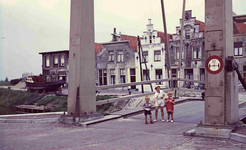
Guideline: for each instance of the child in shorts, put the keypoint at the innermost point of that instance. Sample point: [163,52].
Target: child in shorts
[147,110]
[169,106]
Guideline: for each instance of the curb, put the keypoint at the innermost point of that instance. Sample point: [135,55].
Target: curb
[238,137]
[28,120]
[242,104]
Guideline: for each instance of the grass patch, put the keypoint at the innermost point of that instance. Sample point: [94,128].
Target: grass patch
[3,83]
[9,99]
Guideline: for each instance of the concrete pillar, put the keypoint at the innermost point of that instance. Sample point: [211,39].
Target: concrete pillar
[82,57]
[221,103]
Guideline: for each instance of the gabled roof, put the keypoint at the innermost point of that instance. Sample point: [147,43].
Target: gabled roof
[202,25]
[239,28]
[133,41]
[162,36]
[98,48]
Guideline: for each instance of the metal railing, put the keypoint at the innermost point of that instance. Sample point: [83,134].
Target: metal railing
[104,87]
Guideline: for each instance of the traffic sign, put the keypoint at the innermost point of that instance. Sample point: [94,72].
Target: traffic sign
[214,64]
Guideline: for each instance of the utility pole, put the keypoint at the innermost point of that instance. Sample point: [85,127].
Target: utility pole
[166,45]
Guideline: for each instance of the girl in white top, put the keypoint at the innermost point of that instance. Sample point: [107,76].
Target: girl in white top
[159,102]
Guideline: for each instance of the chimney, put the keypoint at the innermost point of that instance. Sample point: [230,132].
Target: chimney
[149,20]
[114,30]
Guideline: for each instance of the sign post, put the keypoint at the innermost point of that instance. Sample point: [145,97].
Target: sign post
[221,88]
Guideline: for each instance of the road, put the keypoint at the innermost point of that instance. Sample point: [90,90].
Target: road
[128,133]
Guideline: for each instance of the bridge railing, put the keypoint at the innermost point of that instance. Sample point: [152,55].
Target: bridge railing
[104,87]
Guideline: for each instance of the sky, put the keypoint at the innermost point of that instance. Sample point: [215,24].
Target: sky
[28,27]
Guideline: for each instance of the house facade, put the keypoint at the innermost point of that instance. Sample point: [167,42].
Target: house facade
[115,62]
[193,53]
[55,65]
[239,37]
[152,57]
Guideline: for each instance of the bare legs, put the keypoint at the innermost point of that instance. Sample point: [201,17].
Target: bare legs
[150,118]
[170,114]
[162,112]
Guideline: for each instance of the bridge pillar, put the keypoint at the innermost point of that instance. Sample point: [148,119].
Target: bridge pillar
[82,57]
[221,88]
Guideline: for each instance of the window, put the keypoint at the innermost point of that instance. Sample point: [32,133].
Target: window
[202,74]
[238,49]
[145,56]
[158,75]
[157,55]
[47,77]
[133,77]
[177,53]
[47,61]
[145,75]
[150,39]
[187,34]
[112,73]
[196,52]
[102,77]
[62,60]
[120,56]
[111,56]
[122,76]
[55,60]
[189,76]
[244,68]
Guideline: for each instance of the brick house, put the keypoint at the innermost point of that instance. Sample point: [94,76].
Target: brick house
[55,65]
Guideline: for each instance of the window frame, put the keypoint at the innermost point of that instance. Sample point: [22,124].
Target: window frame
[145,57]
[47,65]
[197,54]
[158,56]
[158,76]
[120,57]
[111,56]
[187,34]
[237,47]
[62,60]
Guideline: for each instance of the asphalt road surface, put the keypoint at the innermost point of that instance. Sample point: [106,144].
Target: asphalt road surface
[128,133]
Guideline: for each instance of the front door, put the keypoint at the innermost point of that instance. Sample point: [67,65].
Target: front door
[133,77]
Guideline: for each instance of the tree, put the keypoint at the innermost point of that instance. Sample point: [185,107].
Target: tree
[6,80]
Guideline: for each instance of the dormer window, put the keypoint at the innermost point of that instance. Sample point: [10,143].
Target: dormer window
[150,39]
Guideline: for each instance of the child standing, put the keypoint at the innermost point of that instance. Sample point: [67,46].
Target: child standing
[147,106]
[169,106]
[159,102]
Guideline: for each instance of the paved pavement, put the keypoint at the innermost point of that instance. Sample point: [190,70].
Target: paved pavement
[124,133]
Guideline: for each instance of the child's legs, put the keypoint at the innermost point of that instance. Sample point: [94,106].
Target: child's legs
[172,115]
[168,115]
[162,112]
[145,117]
[150,117]
[156,111]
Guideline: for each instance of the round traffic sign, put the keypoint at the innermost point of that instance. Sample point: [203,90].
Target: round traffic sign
[214,64]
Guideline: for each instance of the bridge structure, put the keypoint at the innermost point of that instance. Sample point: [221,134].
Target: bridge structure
[221,91]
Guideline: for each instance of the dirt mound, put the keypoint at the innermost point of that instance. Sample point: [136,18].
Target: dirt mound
[20,85]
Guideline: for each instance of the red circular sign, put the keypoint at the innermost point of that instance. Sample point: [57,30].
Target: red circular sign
[214,64]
